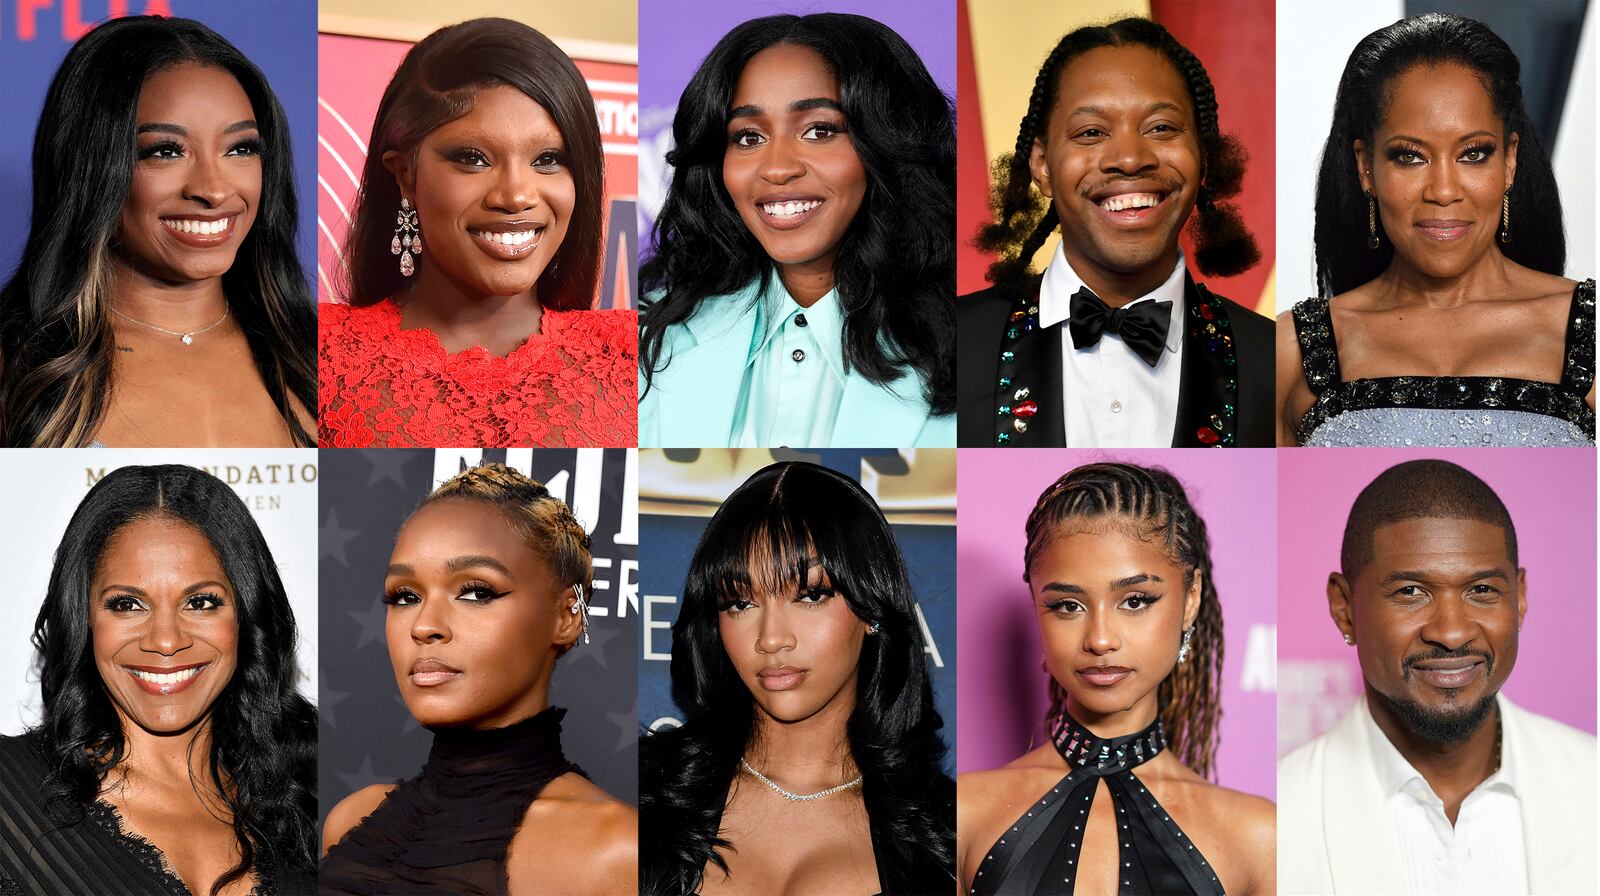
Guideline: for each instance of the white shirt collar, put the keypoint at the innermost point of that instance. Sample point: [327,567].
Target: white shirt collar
[1061,282]
[1397,775]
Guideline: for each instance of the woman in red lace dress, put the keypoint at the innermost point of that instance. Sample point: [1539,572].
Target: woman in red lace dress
[481,334]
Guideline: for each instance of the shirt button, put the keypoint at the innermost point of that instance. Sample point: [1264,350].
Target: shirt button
[1116,407]
[798,355]
[799,320]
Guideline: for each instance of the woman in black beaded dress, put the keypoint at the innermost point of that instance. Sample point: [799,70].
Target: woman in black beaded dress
[1443,315]
[1118,564]
[176,755]
[487,587]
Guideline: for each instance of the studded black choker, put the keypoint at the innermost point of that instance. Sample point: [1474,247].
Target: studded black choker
[1041,851]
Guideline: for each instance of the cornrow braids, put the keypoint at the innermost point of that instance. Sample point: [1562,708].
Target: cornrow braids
[1190,698]
[1025,218]
[544,521]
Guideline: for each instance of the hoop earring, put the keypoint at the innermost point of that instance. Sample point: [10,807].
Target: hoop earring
[1183,649]
[1372,222]
[1505,217]
[407,239]
[579,605]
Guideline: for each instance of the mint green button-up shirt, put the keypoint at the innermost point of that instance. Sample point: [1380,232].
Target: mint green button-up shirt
[794,374]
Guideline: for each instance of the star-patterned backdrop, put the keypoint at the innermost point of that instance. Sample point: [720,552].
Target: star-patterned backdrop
[681,488]
[367,736]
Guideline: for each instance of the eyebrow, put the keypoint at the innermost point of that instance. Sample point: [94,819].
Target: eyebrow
[805,105]
[454,564]
[1139,579]
[1417,575]
[1472,136]
[140,592]
[1162,106]
[167,127]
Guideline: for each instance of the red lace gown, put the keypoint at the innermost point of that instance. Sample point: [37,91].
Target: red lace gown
[573,384]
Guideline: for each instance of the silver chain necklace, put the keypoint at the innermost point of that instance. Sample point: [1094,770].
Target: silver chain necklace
[790,795]
[188,338]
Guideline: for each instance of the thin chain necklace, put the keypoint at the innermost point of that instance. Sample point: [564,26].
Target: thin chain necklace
[188,338]
[798,797]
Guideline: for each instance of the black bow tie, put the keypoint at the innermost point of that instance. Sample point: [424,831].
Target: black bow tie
[1142,327]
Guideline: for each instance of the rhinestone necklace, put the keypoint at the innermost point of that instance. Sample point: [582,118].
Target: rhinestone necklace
[798,797]
[188,338]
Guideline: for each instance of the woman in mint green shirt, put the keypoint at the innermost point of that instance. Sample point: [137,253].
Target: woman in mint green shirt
[801,291]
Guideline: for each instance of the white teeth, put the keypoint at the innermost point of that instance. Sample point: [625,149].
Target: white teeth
[167,677]
[189,225]
[520,238]
[1130,200]
[789,209]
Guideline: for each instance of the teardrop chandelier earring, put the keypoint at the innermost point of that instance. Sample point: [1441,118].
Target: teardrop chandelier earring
[407,237]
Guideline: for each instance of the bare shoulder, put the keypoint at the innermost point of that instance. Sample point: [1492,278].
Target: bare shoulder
[351,810]
[579,836]
[982,795]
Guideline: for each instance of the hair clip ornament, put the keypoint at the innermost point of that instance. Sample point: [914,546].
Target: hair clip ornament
[581,606]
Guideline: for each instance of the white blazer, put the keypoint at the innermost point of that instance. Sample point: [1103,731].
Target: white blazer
[1333,835]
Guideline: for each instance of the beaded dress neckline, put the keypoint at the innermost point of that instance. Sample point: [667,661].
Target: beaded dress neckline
[448,829]
[1039,853]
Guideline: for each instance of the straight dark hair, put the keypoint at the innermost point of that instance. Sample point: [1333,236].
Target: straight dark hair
[767,532]
[436,84]
[1343,259]
[55,333]
[895,270]
[263,732]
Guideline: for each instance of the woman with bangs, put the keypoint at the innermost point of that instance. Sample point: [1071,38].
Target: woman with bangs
[802,286]
[798,662]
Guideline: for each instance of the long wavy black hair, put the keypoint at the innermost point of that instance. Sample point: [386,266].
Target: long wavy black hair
[1154,502]
[1343,259]
[895,270]
[783,515]
[1024,218]
[436,84]
[263,732]
[55,331]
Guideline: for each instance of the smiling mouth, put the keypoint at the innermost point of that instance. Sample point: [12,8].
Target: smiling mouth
[789,213]
[1132,209]
[201,231]
[508,244]
[1451,674]
[166,683]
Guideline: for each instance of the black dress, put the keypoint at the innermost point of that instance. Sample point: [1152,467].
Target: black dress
[1040,852]
[47,850]
[448,829]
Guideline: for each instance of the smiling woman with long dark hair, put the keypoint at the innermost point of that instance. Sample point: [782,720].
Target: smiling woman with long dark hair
[801,290]
[176,754]
[159,300]
[797,660]
[473,257]
[1443,313]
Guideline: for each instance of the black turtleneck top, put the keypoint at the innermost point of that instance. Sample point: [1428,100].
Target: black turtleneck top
[1039,853]
[448,829]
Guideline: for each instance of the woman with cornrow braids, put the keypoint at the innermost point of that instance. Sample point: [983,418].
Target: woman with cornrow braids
[1118,564]
[1121,147]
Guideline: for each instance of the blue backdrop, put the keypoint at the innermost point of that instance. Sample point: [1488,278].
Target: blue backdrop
[679,489]
[279,36]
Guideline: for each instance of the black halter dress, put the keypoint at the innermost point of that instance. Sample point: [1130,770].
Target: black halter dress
[448,829]
[1039,853]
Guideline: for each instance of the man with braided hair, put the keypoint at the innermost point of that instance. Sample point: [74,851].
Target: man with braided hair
[1121,147]
[1435,782]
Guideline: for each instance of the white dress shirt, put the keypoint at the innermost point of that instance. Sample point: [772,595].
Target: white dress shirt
[1110,397]
[1483,851]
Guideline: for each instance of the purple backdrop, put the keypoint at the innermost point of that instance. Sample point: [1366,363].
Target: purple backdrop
[1550,494]
[1001,693]
[695,26]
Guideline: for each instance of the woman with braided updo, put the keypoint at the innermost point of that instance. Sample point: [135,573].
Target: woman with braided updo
[1118,564]
[487,587]
[1121,148]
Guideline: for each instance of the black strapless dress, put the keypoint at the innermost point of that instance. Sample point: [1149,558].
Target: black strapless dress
[448,829]
[1039,853]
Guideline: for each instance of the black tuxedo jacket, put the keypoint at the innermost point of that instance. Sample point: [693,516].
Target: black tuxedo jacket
[1005,360]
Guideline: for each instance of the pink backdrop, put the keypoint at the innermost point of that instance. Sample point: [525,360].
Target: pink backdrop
[1550,494]
[1000,691]
[352,73]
